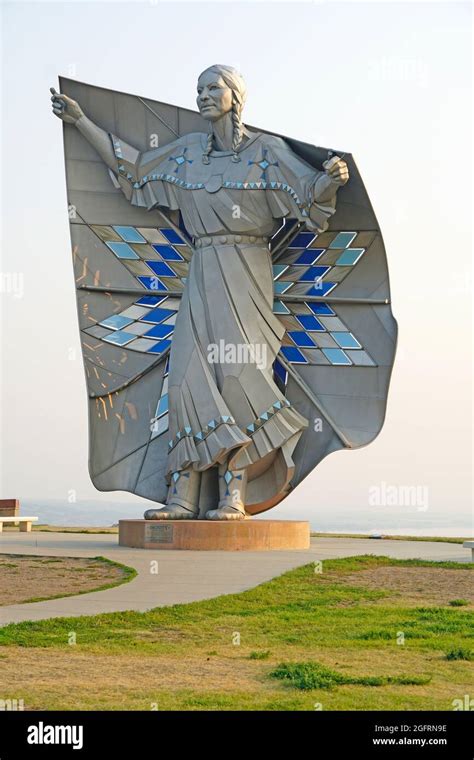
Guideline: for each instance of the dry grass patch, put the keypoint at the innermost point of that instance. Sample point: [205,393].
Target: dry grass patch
[54,679]
[25,578]
[429,585]
[76,671]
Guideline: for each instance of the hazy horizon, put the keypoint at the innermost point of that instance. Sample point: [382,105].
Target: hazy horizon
[390,521]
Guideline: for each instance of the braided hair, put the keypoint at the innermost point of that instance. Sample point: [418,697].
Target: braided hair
[235,82]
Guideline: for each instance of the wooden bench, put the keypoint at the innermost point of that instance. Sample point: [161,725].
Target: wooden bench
[25,522]
[9,507]
[470,545]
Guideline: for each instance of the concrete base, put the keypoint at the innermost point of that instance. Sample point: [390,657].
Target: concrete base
[210,535]
[25,522]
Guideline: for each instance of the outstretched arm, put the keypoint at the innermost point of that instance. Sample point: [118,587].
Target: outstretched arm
[70,112]
[336,175]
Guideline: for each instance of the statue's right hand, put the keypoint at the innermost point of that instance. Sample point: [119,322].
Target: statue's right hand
[65,108]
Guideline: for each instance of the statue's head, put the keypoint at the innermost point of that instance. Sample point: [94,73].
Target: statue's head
[221,89]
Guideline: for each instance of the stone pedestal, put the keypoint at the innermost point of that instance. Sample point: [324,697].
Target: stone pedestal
[210,535]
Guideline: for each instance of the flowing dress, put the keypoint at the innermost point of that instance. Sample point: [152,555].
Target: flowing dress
[230,408]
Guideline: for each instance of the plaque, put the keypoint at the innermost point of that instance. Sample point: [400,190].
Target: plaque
[159,534]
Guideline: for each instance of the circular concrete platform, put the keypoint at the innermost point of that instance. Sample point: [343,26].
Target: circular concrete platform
[211,535]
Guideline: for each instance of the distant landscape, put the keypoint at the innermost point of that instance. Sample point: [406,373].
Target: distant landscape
[405,521]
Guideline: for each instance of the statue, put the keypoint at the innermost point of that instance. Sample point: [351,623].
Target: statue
[225,331]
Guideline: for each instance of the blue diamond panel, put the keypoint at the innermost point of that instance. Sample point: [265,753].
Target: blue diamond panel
[157,339]
[161,269]
[158,315]
[322,288]
[280,371]
[308,258]
[350,257]
[128,249]
[168,253]
[322,309]
[172,236]
[302,240]
[345,340]
[122,250]
[310,323]
[162,405]
[116,322]
[155,326]
[160,348]
[129,234]
[152,283]
[336,356]
[119,338]
[281,286]
[314,273]
[320,284]
[280,308]
[149,301]
[278,270]
[343,240]
[293,355]
[159,331]
[302,339]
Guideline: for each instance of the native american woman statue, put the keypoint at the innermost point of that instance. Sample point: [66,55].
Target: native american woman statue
[236,325]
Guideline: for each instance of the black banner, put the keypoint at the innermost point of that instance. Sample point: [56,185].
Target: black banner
[129,734]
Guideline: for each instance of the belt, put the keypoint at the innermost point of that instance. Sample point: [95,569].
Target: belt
[202,242]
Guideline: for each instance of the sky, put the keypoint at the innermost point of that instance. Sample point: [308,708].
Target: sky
[388,82]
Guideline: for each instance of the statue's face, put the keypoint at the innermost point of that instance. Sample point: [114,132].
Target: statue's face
[214,98]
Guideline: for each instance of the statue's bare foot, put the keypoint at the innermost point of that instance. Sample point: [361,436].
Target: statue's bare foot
[225,513]
[170,512]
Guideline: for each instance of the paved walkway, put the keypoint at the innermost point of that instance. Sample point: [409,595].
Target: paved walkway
[187,576]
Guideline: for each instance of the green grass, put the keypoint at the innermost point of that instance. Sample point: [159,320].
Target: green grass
[313,675]
[315,627]
[45,528]
[460,653]
[297,607]
[458,603]
[443,539]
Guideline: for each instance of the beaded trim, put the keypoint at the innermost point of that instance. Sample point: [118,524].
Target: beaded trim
[117,148]
[261,185]
[187,432]
[213,424]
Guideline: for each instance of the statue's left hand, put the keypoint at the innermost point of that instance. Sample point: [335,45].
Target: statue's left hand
[337,170]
